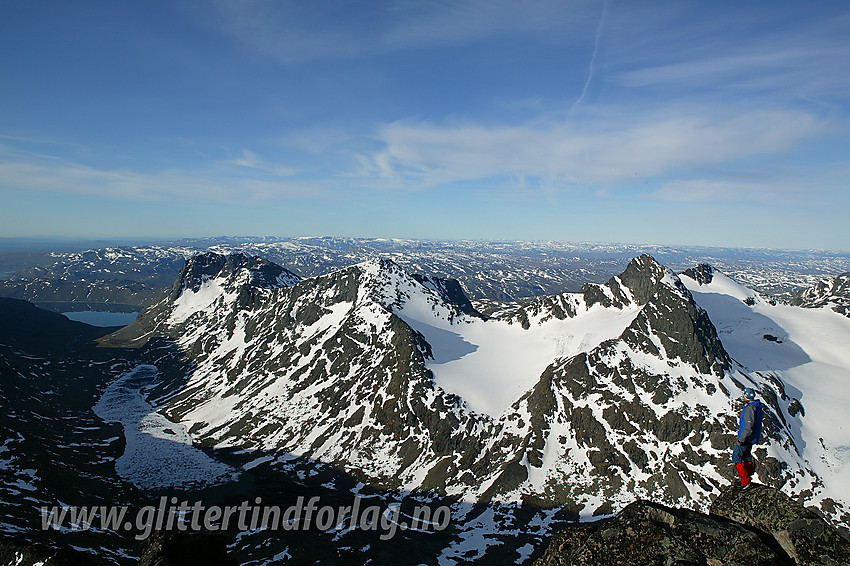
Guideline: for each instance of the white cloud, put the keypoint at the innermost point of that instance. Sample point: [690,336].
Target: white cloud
[595,152]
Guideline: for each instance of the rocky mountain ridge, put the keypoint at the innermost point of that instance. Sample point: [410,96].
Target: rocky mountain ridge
[357,361]
[565,407]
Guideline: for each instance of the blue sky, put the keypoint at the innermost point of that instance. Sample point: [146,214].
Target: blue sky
[708,123]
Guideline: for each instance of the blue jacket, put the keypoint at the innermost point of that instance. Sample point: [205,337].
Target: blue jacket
[749,427]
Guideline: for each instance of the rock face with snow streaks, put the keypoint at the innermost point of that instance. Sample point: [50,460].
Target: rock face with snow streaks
[833,293]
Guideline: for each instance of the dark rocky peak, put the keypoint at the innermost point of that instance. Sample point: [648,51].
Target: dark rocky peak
[269,275]
[545,308]
[670,318]
[758,526]
[595,294]
[203,267]
[681,328]
[702,274]
[450,290]
[639,283]
[388,284]
[839,285]
[643,278]
[196,271]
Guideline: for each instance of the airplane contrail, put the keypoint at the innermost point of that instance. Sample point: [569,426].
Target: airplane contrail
[592,58]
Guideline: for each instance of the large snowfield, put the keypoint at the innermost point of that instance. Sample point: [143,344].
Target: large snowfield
[490,363]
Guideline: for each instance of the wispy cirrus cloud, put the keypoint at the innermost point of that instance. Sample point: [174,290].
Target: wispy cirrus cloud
[251,160]
[778,74]
[297,32]
[712,190]
[781,54]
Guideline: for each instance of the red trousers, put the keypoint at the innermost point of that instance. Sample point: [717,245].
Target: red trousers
[746,470]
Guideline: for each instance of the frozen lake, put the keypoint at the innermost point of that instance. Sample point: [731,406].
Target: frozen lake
[159,453]
[101,318]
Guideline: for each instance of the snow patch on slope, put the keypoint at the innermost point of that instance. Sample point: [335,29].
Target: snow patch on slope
[189,302]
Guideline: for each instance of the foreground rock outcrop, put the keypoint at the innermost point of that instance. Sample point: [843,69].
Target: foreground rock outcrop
[757,526]
[801,532]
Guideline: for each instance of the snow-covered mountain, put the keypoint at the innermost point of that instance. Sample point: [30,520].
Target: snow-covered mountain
[582,400]
[829,292]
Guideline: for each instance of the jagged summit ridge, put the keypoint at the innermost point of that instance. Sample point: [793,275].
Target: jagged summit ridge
[255,271]
[386,283]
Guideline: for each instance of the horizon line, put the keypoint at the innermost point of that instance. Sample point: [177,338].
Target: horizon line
[131,241]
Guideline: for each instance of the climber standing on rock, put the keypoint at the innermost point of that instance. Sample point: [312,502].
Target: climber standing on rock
[749,433]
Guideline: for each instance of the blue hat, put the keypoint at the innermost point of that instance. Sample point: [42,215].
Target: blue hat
[749,393]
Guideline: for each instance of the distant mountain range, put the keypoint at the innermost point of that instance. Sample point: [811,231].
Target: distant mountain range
[130,277]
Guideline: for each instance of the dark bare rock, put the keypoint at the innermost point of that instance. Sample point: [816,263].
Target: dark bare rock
[25,326]
[647,533]
[756,526]
[702,274]
[642,276]
[170,548]
[566,542]
[450,290]
[203,267]
[804,535]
